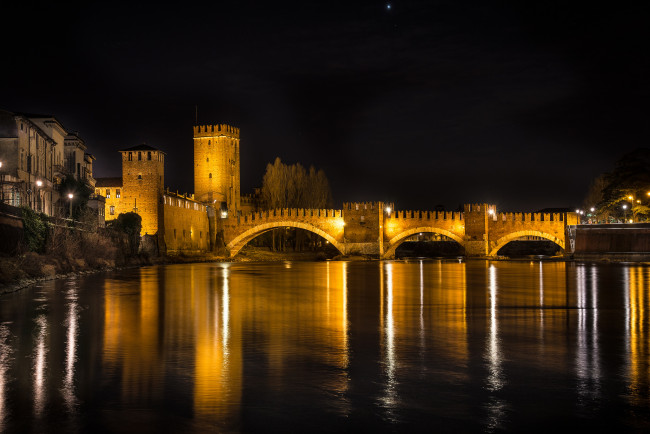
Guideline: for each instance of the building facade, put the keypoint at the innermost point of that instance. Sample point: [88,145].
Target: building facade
[33,157]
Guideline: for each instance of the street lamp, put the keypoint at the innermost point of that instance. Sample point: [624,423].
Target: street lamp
[625,213]
[70,196]
[39,184]
[388,210]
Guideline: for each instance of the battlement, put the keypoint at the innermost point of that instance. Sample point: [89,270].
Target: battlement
[480,207]
[511,217]
[216,131]
[425,215]
[284,213]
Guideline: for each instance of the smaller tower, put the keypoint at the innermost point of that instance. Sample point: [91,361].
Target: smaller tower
[143,178]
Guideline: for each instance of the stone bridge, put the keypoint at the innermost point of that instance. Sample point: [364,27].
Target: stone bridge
[375,229]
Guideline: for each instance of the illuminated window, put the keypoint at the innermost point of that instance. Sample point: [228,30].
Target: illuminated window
[117,193]
[112,210]
[108,193]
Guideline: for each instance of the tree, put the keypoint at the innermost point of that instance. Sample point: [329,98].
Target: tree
[294,187]
[628,184]
[129,223]
[81,193]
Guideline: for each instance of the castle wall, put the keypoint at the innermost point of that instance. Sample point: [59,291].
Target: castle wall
[216,165]
[186,226]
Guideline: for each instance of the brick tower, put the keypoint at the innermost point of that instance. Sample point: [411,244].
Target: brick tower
[143,177]
[216,166]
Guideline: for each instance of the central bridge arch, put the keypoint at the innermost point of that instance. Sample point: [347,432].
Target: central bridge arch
[514,235]
[395,242]
[245,237]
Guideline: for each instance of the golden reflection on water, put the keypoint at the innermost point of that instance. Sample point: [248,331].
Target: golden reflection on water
[208,310]
[637,284]
[427,300]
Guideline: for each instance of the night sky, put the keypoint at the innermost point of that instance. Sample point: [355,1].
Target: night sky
[424,103]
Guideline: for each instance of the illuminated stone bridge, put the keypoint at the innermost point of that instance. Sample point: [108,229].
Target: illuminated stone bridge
[371,228]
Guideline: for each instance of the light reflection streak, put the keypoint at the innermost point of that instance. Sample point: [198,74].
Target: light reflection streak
[5,360]
[40,364]
[346,350]
[495,381]
[388,330]
[587,356]
[71,323]
[636,292]
[422,333]
[225,321]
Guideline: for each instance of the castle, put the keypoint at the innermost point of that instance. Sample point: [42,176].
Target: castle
[179,223]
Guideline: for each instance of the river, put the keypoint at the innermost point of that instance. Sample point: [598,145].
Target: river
[442,346]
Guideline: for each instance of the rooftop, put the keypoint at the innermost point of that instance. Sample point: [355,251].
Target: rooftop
[141,147]
[108,182]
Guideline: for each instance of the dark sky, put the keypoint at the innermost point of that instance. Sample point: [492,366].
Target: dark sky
[429,102]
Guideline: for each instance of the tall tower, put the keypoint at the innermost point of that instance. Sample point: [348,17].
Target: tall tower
[216,165]
[143,178]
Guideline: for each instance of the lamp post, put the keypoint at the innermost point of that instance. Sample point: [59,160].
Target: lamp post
[39,184]
[625,213]
[70,196]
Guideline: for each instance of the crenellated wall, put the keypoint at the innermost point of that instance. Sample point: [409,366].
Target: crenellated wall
[186,224]
[374,228]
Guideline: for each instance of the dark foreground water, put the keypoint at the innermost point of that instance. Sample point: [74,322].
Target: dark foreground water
[303,347]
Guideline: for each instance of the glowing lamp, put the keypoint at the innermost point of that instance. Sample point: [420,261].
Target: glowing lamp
[39,183]
[70,195]
[592,209]
[388,210]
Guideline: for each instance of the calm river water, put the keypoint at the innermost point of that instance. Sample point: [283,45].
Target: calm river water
[302,347]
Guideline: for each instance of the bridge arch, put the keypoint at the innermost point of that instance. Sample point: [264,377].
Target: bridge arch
[514,235]
[245,237]
[395,242]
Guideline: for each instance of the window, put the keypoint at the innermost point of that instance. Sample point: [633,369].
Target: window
[117,193]
[130,156]
[139,175]
[210,176]
[207,160]
[201,234]
[21,127]
[149,155]
[183,233]
[174,233]
[139,156]
[208,143]
[108,193]
[112,210]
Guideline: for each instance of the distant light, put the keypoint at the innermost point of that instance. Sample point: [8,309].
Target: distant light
[224,214]
[388,6]
[39,183]
[70,195]
[1,167]
[592,209]
[630,197]
[491,211]
[388,209]
[631,221]
[624,206]
[582,212]
[578,211]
